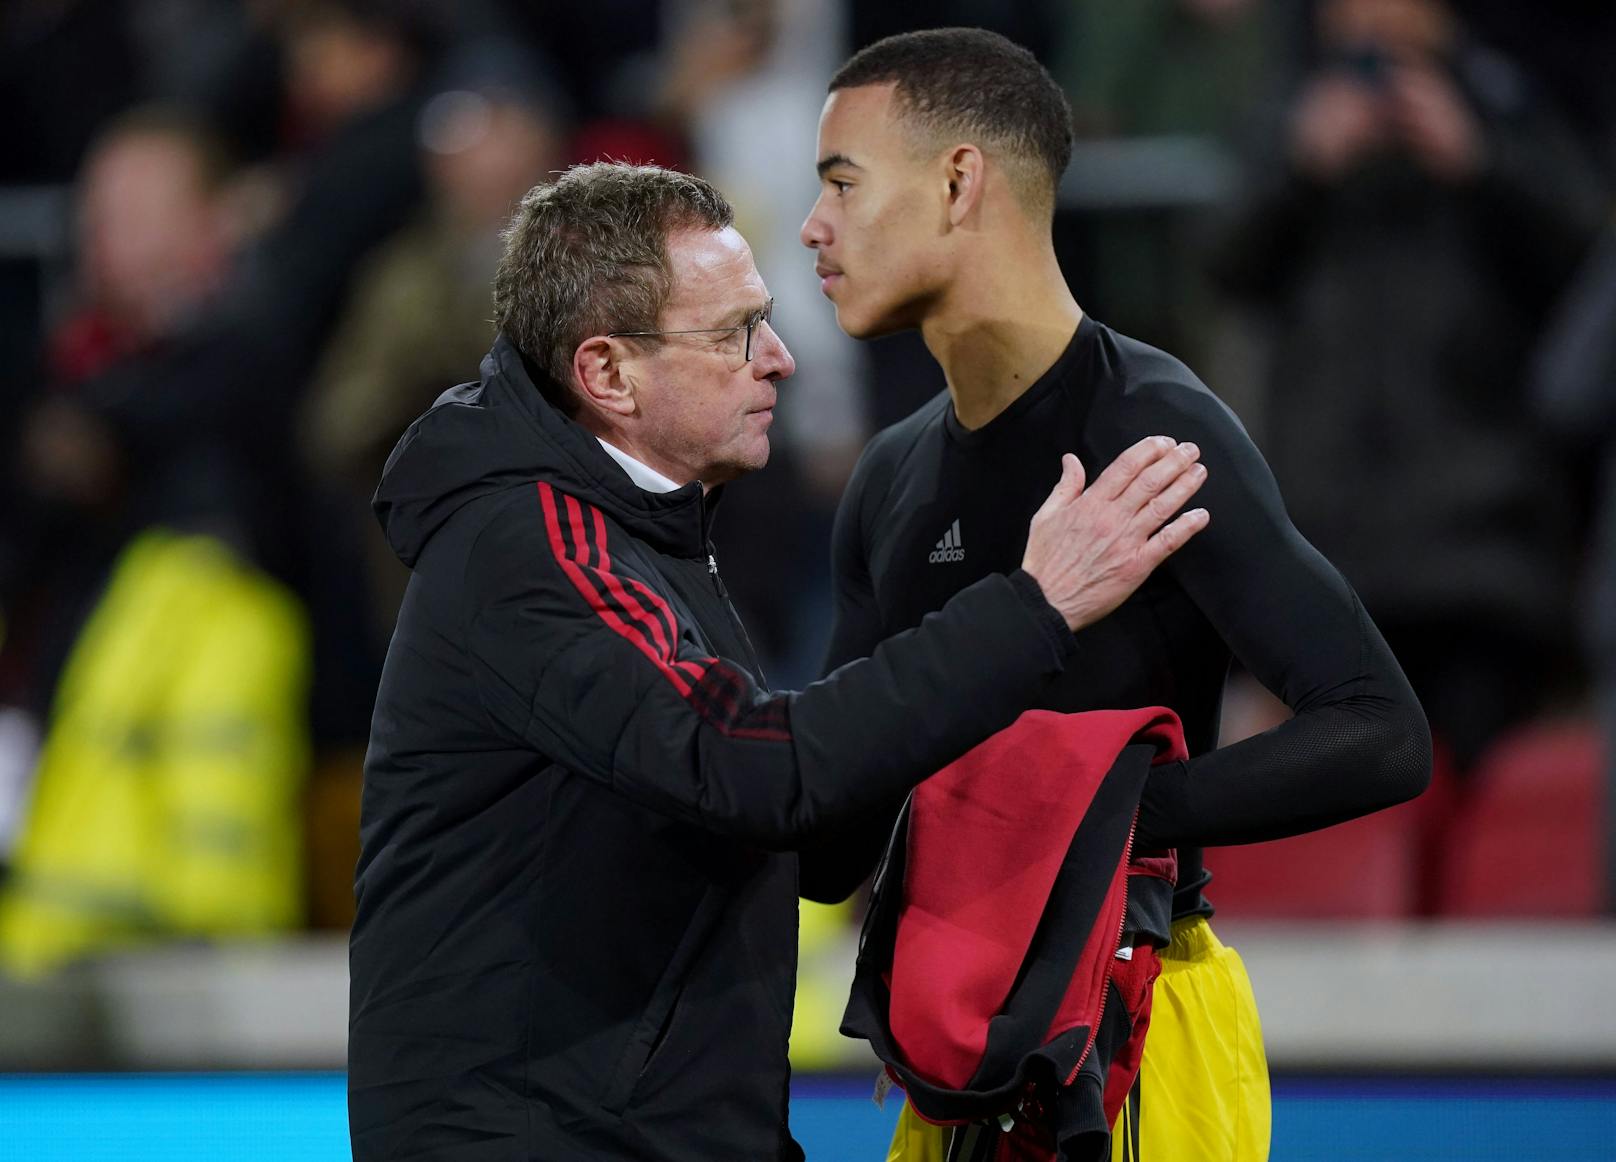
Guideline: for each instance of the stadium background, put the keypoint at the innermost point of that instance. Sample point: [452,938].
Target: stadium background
[242,242]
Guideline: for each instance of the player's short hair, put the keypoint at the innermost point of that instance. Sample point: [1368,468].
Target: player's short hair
[587,254]
[955,84]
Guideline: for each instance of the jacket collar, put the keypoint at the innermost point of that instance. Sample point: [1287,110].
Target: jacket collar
[501,433]
[674,522]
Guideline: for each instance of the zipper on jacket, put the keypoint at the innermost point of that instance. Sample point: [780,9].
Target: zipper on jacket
[735,618]
[1111,957]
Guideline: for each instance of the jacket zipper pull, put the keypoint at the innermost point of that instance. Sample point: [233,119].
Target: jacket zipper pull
[712,564]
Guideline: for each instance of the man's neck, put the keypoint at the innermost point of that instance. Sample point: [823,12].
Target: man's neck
[652,465]
[998,330]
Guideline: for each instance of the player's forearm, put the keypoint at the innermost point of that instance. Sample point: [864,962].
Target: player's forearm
[1332,763]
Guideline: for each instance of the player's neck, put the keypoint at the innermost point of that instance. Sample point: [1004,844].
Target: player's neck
[998,332]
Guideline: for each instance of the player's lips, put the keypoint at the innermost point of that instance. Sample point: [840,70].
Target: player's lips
[828,276]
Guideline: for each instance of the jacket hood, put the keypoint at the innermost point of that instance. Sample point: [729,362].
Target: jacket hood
[500,433]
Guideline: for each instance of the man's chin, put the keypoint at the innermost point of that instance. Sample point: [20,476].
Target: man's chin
[743,464]
[857,326]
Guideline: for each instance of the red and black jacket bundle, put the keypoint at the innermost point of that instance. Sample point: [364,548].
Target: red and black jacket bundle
[999,977]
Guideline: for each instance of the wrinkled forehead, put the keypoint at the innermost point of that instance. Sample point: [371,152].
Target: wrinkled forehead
[714,275]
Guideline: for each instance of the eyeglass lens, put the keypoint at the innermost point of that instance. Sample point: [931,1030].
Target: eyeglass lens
[753,323]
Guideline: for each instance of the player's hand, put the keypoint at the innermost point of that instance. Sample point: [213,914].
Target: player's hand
[1089,548]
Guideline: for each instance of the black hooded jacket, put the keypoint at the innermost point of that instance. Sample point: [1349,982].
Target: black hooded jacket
[576,926]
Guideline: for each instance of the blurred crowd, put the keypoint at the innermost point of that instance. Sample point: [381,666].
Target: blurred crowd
[285,216]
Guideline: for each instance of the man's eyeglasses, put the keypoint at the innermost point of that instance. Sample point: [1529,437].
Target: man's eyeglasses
[753,321]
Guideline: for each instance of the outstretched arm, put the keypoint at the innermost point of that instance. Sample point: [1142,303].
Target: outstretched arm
[1359,740]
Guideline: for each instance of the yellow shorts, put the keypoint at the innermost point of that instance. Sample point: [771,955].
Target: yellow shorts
[1202,1092]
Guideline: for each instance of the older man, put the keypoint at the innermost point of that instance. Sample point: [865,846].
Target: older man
[576,931]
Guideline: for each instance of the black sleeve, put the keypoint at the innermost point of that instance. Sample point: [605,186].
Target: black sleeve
[1358,741]
[832,870]
[581,660]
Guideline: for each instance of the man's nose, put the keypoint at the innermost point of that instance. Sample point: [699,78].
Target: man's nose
[814,233]
[772,360]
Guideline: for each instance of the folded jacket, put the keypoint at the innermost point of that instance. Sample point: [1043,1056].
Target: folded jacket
[996,978]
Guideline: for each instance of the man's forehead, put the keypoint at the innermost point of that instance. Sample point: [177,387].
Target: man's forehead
[713,268]
[859,126]
[860,104]
[705,255]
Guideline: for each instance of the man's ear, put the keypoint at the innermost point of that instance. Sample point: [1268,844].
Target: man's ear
[598,376]
[964,168]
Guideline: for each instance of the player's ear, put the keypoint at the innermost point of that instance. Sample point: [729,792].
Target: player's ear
[965,170]
[600,378]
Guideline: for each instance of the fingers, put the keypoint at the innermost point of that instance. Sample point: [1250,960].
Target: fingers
[1175,536]
[1145,494]
[1172,496]
[1122,471]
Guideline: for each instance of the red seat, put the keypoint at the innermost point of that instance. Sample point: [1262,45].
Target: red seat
[1529,838]
[1363,869]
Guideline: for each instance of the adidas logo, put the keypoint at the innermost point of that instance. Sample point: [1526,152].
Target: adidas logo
[949,548]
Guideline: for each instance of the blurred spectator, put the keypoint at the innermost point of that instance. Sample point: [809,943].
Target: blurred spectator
[1423,211]
[356,74]
[136,363]
[419,317]
[355,78]
[167,674]
[1575,392]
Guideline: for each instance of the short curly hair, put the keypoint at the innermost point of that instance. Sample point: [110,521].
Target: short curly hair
[588,253]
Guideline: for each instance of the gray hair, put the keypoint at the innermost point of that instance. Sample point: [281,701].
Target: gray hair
[587,254]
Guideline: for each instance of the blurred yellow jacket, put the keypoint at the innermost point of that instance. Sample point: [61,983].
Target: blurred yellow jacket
[166,801]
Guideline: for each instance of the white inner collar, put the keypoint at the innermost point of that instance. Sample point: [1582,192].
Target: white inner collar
[643,475]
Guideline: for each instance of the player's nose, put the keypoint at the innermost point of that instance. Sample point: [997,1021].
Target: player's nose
[815,231]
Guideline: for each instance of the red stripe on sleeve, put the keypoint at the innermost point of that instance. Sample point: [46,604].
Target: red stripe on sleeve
[586,588]
[600,537]
[665,633]
[575,514]
[713,689]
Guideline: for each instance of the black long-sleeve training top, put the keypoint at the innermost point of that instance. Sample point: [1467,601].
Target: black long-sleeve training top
[933,507]
[577,890]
